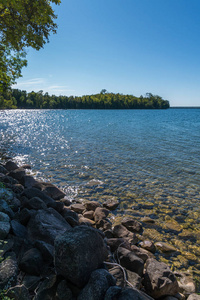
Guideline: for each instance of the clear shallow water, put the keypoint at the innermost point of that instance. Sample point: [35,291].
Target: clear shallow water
[141,157]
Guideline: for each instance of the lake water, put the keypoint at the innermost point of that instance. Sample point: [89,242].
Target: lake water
[147,159]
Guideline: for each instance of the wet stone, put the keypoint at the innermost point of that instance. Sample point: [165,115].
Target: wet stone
[164,247]
[78,208]
[148,245]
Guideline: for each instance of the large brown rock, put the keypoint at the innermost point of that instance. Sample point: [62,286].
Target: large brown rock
[46,225]
[130,261]
[78,252]
[159,280]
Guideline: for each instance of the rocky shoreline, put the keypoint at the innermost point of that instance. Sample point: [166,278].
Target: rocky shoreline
[51,248]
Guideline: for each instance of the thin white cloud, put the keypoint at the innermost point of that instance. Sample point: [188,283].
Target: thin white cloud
[36,84]
[33,81]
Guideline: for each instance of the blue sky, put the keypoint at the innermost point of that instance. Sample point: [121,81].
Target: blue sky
[125,46]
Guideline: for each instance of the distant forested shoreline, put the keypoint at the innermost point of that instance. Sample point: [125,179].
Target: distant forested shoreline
[15,98]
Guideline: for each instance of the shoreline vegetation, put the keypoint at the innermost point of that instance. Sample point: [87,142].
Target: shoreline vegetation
[20,99]
[53,248]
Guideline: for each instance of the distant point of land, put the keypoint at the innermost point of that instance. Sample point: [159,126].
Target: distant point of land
[16,98]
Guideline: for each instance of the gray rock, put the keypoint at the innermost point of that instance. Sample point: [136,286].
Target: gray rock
[121,231]
[4,225]
[3,170]
[5,208]
[47,289]
[25,215]
[10,165]
[130,261]
[118,274]
[99,282]
[142,253]
[78,252]
[31,282]
[134,279]
[18,229]
[46,250]
[8,273]
[18,292]
[148,245]
[52,191]
[159,280]
[17,174]
[28,181]
[164,247]
[63,291]
[111,204]
[194,297]
[117,293]
[104,224]
[35,203]
[32,262]
[46,225]
[100,213]
[132,225]
[89,214]
[69,213]
[92,205]
[33,192]
[186,283]
[114,243]
[78,208]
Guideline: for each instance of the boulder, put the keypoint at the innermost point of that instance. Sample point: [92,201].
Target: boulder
[4,225]
[148,245]
[117,293]
[33,192]
[130,261]
[114,243]
[18,292]
[28,181]
[18,229]
[46,250]
[194,297]
[118,274]
[11,166]
[100,213]
[47,289]
[3,170]
[134,279]
[46,225]
[142,253]
[121,231]
[63,291]
[32,262]
[165,248]
[35,203]
[78,208]
[17,174]
[8,273]
[99,282]
[92,205]
[132,225]
[159,280]
[78,252]
[52,191]
[111,204]
[5,208]
[89,214]
[104,224]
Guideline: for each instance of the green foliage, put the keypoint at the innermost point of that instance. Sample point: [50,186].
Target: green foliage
[104,100]
[3,296]
[23,23]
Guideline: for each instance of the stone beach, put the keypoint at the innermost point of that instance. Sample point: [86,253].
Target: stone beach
[52,248]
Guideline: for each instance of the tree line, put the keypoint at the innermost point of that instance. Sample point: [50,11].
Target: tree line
[15,98]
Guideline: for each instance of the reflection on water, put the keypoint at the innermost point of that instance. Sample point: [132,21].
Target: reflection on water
[148,159]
